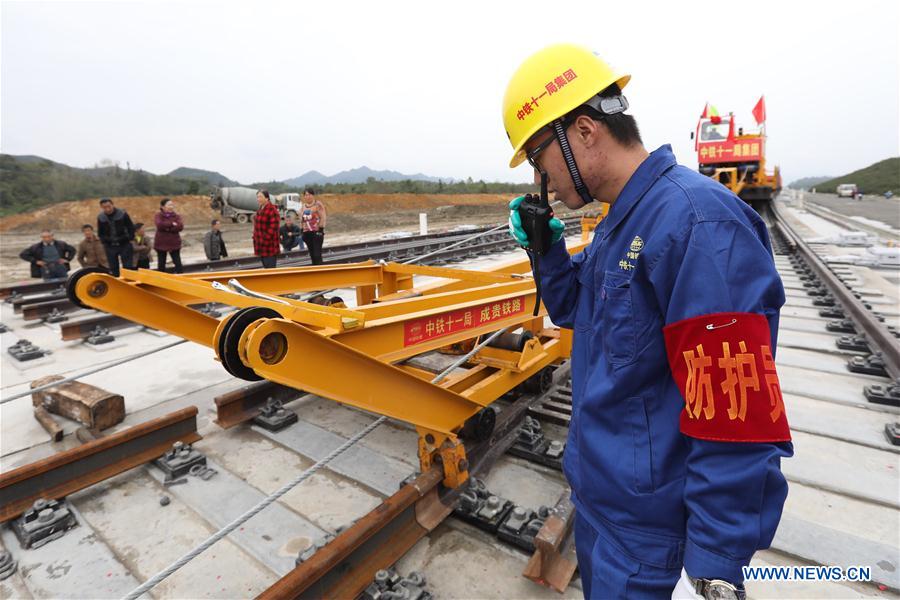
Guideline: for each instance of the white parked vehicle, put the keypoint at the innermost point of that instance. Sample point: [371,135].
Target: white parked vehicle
[847,190]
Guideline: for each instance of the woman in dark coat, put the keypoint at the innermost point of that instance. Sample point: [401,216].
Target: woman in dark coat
[167,239]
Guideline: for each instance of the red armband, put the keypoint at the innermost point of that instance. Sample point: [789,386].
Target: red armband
[724,367]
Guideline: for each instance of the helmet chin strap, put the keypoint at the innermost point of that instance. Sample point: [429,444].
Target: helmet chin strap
[570,161]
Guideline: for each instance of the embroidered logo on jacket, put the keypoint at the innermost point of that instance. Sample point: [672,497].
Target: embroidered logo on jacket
[637,244]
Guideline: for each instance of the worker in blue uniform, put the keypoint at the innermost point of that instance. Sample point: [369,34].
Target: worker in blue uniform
[678,422]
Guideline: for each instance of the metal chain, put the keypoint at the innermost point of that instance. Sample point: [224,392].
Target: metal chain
[159,577]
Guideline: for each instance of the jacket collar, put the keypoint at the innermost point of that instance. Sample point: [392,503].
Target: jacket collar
[654,166]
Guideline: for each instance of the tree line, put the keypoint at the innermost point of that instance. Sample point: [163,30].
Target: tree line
[30,184]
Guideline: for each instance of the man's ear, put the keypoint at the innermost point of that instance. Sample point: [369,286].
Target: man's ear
[587,130]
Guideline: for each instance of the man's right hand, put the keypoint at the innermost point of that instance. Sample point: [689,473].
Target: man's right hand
[41,263]
[515,225]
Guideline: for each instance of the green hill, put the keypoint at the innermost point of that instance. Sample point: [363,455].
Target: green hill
[874,179]
[29,182]
[808,182]
[211,177]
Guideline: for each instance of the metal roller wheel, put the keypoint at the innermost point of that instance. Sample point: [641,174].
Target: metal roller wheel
[231,334]
[72,281]
[480,426]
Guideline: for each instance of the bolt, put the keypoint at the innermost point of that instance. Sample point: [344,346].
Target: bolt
[519,512]
[46,515]
[556,445]
[429,439]
[40,504]
[493,502]
[462,465]
[164,501]
[381,576]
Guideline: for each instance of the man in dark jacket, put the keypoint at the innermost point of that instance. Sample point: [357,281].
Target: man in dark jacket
[115,230]
[49,258]
[289,234]
[213,244]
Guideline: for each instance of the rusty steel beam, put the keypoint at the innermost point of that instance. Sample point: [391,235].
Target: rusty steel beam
[237,406]
[36,310]
[553,562]
[346,565]
[81,328]
[73,470]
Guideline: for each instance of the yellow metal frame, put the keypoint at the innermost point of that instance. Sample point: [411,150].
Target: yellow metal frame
[355,355]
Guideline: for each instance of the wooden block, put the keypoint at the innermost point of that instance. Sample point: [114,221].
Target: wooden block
[47,422]
[91,406]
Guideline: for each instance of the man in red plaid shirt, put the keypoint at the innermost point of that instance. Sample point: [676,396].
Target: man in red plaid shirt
[265,230]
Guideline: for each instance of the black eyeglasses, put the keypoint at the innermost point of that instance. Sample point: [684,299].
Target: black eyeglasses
[531,157]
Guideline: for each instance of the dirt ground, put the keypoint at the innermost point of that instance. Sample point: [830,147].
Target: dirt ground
[351,217]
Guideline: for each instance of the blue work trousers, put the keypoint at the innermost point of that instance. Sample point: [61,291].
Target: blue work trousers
[607,572]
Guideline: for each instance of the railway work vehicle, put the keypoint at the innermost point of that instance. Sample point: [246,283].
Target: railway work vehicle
[736,157]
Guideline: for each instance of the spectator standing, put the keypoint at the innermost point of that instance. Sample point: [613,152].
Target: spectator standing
[289,234]
[168,239]
[141,245]
[90,250]
[115,230]
[265,230]
[313,217]
[213,243]
[49,258]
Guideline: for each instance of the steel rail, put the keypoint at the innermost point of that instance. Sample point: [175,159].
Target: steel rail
[268,500]
[67,472]
[346,565]
[242,404]
[874,329]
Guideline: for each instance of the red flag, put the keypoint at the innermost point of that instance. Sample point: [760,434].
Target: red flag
[731,127]
[705,114]
[759,111]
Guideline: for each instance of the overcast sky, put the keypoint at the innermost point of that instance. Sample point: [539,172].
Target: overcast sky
[266,91]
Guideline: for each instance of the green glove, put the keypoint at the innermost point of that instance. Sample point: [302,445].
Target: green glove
[515,224]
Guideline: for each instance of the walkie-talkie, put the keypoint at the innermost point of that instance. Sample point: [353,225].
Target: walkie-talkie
[535,214]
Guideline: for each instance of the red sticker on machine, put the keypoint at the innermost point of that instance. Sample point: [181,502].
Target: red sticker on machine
[437,326]
[724,367]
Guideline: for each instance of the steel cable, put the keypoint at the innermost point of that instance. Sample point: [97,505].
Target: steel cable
[162,575]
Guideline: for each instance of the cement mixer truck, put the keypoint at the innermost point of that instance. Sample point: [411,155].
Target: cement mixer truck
[239,203]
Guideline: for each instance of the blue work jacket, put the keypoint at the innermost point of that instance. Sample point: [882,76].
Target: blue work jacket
[675,245]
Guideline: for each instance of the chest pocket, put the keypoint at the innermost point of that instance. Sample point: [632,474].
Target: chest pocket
[619,342]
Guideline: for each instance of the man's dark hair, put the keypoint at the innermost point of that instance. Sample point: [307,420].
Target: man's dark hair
[214,221]
[264,192]
[138,226]
[105,201]
[622,127]
[86,226]
[163,202]
[310,191]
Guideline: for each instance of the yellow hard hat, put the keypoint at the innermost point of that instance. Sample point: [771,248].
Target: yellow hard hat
[550,84]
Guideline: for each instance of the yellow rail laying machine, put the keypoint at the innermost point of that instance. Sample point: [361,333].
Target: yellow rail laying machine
[357,356]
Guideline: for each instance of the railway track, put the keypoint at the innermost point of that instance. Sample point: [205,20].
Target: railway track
[842,508]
